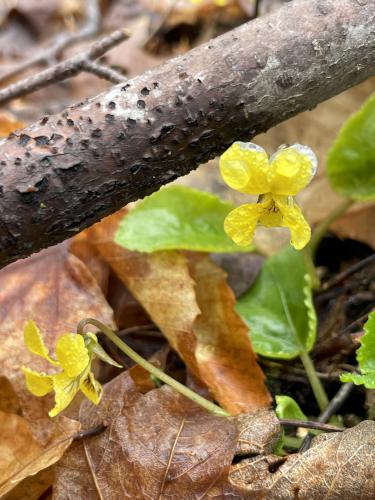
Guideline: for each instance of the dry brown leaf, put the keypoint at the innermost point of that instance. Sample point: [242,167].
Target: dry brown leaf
[338,466]
[9,123]
[56,290]
[158,445]
[21,456]
[225,358]
[33,487]
[202,327]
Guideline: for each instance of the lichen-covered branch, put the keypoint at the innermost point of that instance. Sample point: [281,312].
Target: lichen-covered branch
[67,171]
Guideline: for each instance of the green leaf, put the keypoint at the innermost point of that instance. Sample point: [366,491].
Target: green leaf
[278,307]
[178,218]
[351,161]
[365,357]
[286,407]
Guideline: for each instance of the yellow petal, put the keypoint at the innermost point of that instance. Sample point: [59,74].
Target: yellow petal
[293,218]
[34,341]
[72,354]
[245,167]
[240,223]
[37,383]
[65,388]
[91,388]
[291,169]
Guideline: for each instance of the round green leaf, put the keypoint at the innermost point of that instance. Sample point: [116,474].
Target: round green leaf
[351,161]
[178,218]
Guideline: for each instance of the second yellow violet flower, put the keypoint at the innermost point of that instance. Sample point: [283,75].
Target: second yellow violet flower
[246,167]
[74,355]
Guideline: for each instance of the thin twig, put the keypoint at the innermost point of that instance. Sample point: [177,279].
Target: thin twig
[54,49]
[295,370]
[103,72]
[358,266]
[334,405]
[310,424]
[68,68]
[94,431]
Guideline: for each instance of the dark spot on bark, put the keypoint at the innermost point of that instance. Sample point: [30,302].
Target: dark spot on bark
[183,75]
[199,80]
[131,121]
[159,109]
[212,101]
[240,105]
[85,143]
[207,134]
[45,161]
[59,122]
[145,91]
[96,133]
[17,161]
[70,122]
[24,139]
[141,104]
[178,101]
[112,105]
[189,97]
[125,87]
[55,137]
[44,120]
[2,162]
[95,153]
[284,81]
[27,154]
[109,118]
[69,142]
[121,136]
[156,85]
[135,168]
[1,191]
[41,140]
[65,114]
[97,104]
[89,120]
[42,185]
[54,150]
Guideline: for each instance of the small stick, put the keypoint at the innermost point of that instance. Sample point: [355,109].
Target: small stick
[334,405]
[89,29]
[68,68]
[310,424]
[349,271]
[93,431]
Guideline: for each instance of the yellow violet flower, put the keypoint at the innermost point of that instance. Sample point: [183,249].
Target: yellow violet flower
[219,3]
[74,355]
[246,167]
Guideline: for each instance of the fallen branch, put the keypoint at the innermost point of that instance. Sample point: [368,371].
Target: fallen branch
[63,41]
[68,171]
[70,67]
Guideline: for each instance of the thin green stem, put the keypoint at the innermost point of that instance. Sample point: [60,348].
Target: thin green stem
[316,385]
[311,269]
[182,389]
[292,442]
[324,225]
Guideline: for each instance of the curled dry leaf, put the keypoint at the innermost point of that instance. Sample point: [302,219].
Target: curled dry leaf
[21,456]
[190,301]
[162,444]
[56,290]
[338,466]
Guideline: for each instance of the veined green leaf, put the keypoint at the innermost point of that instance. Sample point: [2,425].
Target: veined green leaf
[365,357]
[278,307]
[177,217]
[351,161]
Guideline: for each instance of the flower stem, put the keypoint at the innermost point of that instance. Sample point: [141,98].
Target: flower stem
[316,385]
[311,269]
[324,225]
[182,389]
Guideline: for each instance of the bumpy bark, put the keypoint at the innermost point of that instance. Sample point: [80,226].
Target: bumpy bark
[67,171]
